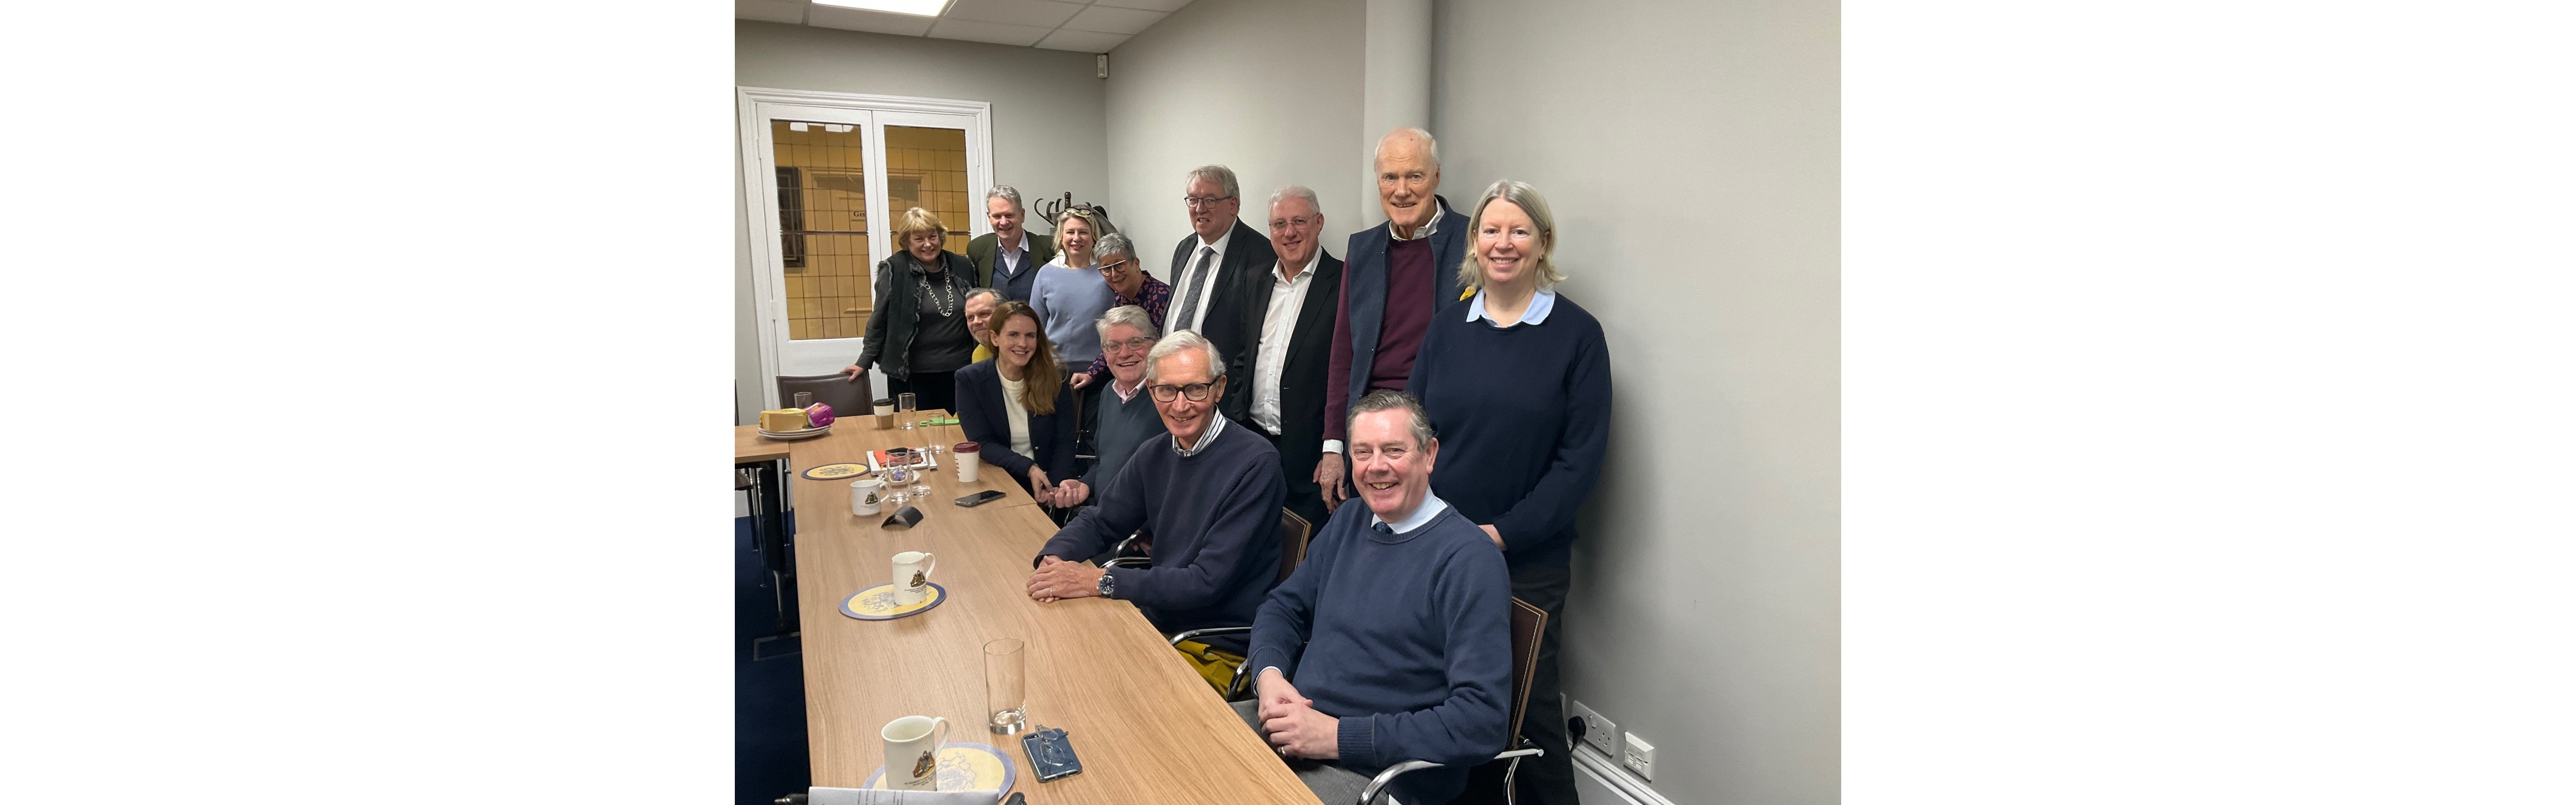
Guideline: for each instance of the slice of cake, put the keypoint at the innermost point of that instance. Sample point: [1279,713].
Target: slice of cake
[782,420]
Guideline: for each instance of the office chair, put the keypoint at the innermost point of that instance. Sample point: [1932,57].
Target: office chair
[1528,622]
[847,397]
[1293,534]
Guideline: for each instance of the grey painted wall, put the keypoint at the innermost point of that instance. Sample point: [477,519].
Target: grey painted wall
[1048,118]
[1690,152]
[1270,89]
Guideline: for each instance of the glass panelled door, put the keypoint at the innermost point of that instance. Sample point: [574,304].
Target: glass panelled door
[836,181]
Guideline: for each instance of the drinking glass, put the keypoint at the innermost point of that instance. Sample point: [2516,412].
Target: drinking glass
[896,499]
[903,402]
[920,491]
[1006,686]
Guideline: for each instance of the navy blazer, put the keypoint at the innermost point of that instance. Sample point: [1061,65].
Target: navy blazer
[1364,290]
[981,415]
[1247,256]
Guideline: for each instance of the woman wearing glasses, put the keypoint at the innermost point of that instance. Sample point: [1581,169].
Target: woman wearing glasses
[917,334]
[1017,404]
[1517,382]
[1128,285]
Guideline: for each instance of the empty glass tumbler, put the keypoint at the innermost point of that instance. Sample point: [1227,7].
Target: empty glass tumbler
[1006,686]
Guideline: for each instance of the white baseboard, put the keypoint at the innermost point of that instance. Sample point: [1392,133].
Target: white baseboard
[1620,781]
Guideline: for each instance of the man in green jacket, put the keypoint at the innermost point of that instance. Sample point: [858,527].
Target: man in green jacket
[1007,259]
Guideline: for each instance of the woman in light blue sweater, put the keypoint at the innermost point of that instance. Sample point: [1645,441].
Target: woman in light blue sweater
[1069,294]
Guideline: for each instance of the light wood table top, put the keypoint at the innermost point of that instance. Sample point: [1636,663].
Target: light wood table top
[749,445]
[1148,728]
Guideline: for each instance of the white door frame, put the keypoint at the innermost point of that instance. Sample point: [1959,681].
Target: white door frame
[760,190]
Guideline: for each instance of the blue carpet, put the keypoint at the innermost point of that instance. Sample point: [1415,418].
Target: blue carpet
[770,754]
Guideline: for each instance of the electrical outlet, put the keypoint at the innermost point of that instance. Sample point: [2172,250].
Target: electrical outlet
[1598,731]
[1640,757]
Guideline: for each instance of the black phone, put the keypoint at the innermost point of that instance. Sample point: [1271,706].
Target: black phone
[1050,754]
[979,498]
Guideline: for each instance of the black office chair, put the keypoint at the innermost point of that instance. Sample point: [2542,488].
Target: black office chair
[1294,532]
[848,398]
[1528,622]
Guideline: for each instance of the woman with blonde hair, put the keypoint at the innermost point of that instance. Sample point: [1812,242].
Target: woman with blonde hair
[1068,294]
[917,334]
[1517,382]
[1017,404]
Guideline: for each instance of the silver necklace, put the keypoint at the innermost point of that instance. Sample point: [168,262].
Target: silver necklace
[948,283]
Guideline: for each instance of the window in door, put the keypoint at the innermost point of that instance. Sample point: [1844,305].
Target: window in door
[823,227]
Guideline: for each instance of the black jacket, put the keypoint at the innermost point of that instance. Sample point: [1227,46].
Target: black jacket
[1307,370]
[889,343]
[1246,256]
[981,415]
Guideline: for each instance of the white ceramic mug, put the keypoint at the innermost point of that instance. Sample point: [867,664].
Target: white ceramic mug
[867,496]
[970,458]
[912,576]
[912,752]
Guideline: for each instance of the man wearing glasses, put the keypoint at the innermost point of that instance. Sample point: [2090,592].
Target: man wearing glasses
[1215,262]
[1288,312]
[1210,494]
[1129,285]
[1127,415]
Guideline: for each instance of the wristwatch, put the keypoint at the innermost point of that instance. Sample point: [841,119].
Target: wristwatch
[1108,584]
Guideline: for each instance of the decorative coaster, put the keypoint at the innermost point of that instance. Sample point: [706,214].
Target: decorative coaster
[966,767]
[877,604]
[834,472]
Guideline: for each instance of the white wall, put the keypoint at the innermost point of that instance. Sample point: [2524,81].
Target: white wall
[1270,89]
[1689,150]
[1048,113]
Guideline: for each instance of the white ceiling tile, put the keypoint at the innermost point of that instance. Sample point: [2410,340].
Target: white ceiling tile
[994,32]
[1041,13]
[851,19]
[1084,41]
[787,11]
[1104,19]
[1166,6]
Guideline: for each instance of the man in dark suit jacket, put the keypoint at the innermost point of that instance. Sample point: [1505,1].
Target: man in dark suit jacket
[1015,269]
[1400,273]
[1212,265]
[1286,313]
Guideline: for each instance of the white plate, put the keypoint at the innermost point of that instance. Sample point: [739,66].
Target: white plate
[793,435]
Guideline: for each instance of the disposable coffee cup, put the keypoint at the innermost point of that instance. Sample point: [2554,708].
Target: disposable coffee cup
[885,413]
[970,457]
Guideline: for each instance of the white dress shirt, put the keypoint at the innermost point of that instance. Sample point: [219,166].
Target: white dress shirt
[1011,256]
[1278,327]
[1207,298]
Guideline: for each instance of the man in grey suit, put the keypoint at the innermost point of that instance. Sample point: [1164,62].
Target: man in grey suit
[1210,267]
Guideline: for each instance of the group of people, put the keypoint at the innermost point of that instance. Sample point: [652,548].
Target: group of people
[1432,405]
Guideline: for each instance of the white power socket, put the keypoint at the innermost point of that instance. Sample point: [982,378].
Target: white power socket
[1640,757]
[1602,735]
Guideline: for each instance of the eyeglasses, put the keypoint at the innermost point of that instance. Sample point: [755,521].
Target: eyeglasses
[1299,222]
[1197,392]
[1136,343]
[1196,202]
[1112,269]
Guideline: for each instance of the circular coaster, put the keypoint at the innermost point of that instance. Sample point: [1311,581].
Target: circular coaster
[965,767]
[829,472]
[877,603]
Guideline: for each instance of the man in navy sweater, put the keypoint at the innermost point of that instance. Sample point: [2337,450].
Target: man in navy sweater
[1393,641]
[1210,494]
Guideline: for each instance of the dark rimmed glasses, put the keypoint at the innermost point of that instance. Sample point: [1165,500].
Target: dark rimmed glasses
[1197,392]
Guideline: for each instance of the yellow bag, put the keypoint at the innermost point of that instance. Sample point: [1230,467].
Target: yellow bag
[1212,664]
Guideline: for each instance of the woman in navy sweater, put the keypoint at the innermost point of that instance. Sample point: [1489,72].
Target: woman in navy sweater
[1016,403]
[1517,381]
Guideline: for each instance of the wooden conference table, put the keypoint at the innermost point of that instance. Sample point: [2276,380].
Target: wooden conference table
[1148,728]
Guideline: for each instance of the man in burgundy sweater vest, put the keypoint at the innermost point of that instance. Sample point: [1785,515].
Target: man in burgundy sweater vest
[1396,275]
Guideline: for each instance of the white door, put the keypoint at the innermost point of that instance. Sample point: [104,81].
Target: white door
[829,176]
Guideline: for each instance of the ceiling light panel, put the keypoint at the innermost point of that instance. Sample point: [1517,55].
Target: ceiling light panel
[926,8]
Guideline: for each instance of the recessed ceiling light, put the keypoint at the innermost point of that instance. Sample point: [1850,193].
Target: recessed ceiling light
[923,8]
